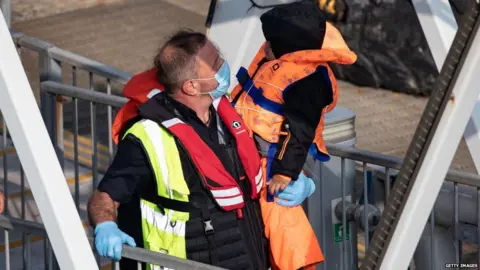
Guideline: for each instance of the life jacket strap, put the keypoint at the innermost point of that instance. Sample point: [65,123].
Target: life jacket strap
[256,93]
[209,233]
[174,205]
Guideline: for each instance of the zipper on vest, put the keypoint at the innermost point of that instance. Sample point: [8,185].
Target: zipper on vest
[209,229]
[256,233]
[253,230]
[250,239]
[285,143]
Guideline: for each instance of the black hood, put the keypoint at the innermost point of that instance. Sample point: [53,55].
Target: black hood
[294,27]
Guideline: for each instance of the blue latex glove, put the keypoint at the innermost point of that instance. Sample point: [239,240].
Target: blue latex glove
[297,191]
[109,240]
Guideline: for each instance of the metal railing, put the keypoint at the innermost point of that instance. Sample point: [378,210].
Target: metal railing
[32,229]
[58,65]
[388,165]
[51,52]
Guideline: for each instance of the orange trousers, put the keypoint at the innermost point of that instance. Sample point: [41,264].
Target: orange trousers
[293,243]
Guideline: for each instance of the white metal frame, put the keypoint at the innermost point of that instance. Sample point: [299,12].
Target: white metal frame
[39,160]
[436,164]
[439,26]
[6,8]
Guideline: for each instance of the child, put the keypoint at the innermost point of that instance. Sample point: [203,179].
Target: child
[283,98]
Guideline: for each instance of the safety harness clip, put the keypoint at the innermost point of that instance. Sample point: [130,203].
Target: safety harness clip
[208,226]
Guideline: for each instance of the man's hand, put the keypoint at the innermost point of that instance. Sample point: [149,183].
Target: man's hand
[297,191]
[277,183]
[109,240]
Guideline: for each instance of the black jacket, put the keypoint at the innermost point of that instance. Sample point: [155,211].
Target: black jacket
[236,243]
[304,104]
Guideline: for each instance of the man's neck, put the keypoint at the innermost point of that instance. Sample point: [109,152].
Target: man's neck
[199,104]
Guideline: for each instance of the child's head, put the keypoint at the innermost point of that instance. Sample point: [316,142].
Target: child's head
[293,27]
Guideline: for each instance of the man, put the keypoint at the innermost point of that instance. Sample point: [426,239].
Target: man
[187,176]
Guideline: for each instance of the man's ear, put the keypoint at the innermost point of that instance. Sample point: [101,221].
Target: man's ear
[191,88]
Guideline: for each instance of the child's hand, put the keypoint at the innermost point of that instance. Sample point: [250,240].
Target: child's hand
[277,183]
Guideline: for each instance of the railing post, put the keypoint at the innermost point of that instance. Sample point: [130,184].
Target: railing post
[51,70]
[6,7]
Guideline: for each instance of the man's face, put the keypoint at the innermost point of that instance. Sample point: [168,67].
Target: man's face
[208,62]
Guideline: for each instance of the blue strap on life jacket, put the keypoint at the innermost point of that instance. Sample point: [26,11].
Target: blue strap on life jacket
[313,150]
[259,99]
[257,93]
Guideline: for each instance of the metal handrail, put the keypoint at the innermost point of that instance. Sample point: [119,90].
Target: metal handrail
[134,253]
[70,58]
[82,93]
[392,162]
[351,153]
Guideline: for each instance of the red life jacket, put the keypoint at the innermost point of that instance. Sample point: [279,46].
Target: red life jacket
[224,189]
[138,89]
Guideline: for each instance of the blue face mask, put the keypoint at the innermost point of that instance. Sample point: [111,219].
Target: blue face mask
[223,79]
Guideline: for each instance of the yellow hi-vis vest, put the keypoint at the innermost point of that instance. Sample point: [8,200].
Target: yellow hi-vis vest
[163,232]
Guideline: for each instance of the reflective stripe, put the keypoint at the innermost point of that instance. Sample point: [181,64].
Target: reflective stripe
[162,230]
[258,177]
[153,93]
[156,267]
[259,180]
[162,222]
[171,122]
[229,201]
[154,133]
[226,192]
[259,186]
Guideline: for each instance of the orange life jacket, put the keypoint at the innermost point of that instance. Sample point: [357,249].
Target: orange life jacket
[259,100]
